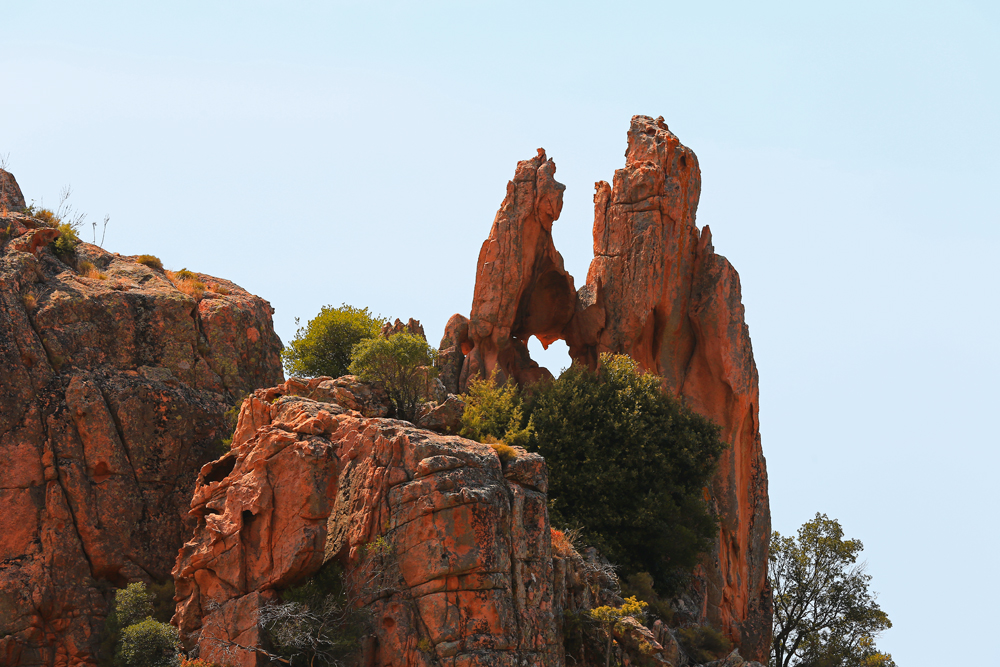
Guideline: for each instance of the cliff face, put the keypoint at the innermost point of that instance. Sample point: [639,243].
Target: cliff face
[656,291]
[112,394]
[468,579]
[447,549]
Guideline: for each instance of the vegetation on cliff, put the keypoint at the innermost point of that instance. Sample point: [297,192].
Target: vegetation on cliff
[627,462]
[324,345]
[399,364]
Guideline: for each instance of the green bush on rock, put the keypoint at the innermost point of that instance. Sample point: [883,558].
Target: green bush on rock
[324,345]
[399,364]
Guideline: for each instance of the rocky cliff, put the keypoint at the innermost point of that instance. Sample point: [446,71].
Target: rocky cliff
[113,387]
[445,546]
[657,291]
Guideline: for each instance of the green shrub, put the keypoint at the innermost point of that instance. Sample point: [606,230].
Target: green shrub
[494,412]
[397,364]
[133,603]
[152,261]
[703,643]
[149,643]
[640,585]
[184,274]
[65,244]
[324,345]
[627,464]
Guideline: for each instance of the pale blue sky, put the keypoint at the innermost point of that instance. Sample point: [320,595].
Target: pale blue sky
[319,153]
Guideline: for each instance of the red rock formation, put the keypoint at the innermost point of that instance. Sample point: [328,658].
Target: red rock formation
[469,580]
[656,291]
[522,289]
[112,394]
[659,293]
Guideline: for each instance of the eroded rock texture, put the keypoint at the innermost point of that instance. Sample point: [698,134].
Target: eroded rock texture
[656,291]
[112,394]
[469,579]
[522,289]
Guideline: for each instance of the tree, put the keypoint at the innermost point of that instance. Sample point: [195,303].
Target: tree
[323,346]
[142,641]
[494,413]
[628,464]
[149,643]
[400,365]
[824,614]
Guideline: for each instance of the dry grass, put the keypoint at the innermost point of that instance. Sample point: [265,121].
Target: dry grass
[505,452]
[563,542]
[88,270]
[29,301]
[187,282]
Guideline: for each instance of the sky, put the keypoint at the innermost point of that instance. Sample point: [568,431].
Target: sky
[356,152]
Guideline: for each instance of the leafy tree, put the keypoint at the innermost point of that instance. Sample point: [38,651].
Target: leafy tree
[149,643]
[142,641]
[400,365]
[323,346]
[824,614]
[628,464]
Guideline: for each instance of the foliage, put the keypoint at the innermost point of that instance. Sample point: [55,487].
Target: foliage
[152,261]
[627,463]
[611,618]
[640,585]
[824,614]
[324,345]
[133,603]
[149,643]
[315,624]
[506,453]
[399,365]
[495,412]
[703,643]
[184,274]
[65,244]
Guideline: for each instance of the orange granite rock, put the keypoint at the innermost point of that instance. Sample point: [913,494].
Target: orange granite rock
[656,291]
[659,293]
[309,481]
[112,395]
[522,289]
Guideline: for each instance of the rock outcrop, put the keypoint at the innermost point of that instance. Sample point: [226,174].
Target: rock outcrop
[468,575]
[113,389]
[522,289]
[657,291]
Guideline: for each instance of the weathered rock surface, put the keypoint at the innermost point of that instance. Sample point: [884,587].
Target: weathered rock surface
[522,289]
[469,578]
[656,291]
[112,395]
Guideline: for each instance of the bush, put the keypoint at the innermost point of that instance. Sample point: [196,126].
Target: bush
[506,453]
[65,244]
[324,345]
[133,603]
[703,643]
[149,643]
[640,585]
[494,413]
[315,624]
[398,364]
[151,261]
[628,464]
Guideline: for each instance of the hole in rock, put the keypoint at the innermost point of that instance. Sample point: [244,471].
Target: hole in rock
[556,358]
[388,623]
[220,469]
